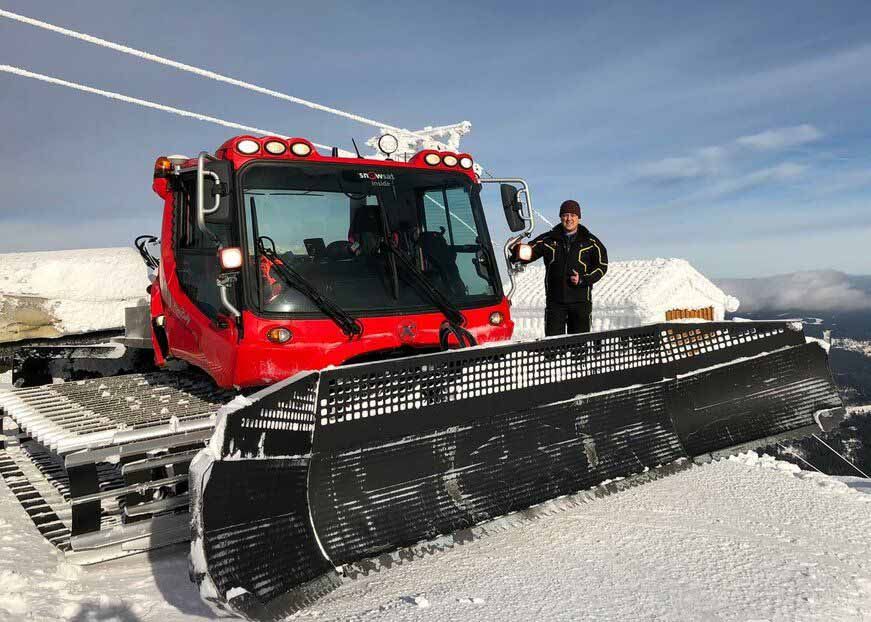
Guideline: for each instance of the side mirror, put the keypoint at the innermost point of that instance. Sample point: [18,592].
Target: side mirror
[512,207]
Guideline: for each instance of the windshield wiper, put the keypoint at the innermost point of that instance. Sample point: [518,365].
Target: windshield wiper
[349,324]
[418,279]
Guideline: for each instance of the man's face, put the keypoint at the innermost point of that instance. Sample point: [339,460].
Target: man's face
[570,222]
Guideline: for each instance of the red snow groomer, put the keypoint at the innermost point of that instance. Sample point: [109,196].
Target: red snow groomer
[361,291]
[276,258]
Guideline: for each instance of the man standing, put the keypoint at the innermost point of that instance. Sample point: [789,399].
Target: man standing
[574,260]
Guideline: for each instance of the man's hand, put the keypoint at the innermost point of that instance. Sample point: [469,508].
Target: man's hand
[575,278]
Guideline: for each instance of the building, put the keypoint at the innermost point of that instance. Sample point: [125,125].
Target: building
[632,293]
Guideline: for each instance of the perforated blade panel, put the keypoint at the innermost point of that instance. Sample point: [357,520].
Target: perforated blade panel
[728,406]
[375,498]
[399,451]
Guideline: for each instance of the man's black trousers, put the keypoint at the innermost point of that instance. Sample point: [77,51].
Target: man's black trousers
[575,317]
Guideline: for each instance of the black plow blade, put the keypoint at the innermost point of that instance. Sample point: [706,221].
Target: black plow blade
[329,468]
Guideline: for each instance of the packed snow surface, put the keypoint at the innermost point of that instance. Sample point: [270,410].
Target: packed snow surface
[49,294]
[742,539]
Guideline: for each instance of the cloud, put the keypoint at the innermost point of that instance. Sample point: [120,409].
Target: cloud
[781,138]
[823,290]
[715,160]
[705,162]
[782,172]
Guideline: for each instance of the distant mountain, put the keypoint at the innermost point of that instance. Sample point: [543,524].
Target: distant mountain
[810,292]
[825,300]
[828,299]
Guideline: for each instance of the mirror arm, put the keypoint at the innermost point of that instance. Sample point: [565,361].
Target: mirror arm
[529,219]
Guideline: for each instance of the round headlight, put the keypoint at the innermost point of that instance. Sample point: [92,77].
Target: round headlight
[496,318]
[248,147]
[275,147]
[432,159]
[301,149]
[279,335]
[466,162]
[387,144]
[450,160]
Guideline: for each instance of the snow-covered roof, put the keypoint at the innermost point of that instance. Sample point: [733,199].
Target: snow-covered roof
[644,285]
[53,293]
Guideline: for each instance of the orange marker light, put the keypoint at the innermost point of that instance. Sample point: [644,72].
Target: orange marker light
[162,167]
[279,335]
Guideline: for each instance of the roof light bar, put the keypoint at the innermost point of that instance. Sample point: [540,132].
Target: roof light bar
[248,146]
[301,149]
[275,147]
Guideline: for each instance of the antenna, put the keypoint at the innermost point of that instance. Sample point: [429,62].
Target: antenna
[354,142]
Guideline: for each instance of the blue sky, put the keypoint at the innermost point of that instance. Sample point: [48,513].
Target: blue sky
[736,135]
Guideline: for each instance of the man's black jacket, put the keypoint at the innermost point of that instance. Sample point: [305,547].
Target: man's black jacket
[584,253]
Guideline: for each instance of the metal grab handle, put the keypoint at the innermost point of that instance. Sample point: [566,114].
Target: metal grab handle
[201,195]
[529,218]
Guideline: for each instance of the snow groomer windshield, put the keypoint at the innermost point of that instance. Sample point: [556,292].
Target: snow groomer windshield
[364,237]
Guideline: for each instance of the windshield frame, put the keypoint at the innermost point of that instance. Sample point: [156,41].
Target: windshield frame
[250,274]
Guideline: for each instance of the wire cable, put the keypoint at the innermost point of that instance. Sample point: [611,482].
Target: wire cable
[145,103]
[208,74]
[834,451]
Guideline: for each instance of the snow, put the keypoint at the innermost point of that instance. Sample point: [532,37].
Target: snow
[49,294]
[738,539]
[746,538]
[632,293]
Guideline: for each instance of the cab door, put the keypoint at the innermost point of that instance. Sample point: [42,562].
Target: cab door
[202,331]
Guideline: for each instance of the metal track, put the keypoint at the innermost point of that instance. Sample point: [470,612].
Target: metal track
[100,465]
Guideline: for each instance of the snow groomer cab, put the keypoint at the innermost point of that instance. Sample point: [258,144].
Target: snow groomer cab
[275,258]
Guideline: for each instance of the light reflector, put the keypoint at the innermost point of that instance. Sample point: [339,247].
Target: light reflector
[432,159]
[466,162]
[450,160]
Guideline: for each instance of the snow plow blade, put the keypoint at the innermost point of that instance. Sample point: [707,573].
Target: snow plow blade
[332,467]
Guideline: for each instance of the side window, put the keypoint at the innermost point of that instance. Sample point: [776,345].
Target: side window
[435,215]
[196,257]
[451,243]
[462,219]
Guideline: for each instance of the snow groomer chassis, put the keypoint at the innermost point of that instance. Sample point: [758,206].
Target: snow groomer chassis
[331,467]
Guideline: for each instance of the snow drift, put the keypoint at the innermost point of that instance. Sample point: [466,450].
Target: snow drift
[55,293]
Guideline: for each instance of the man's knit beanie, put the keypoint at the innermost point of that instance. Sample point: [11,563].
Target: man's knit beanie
[570,207]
